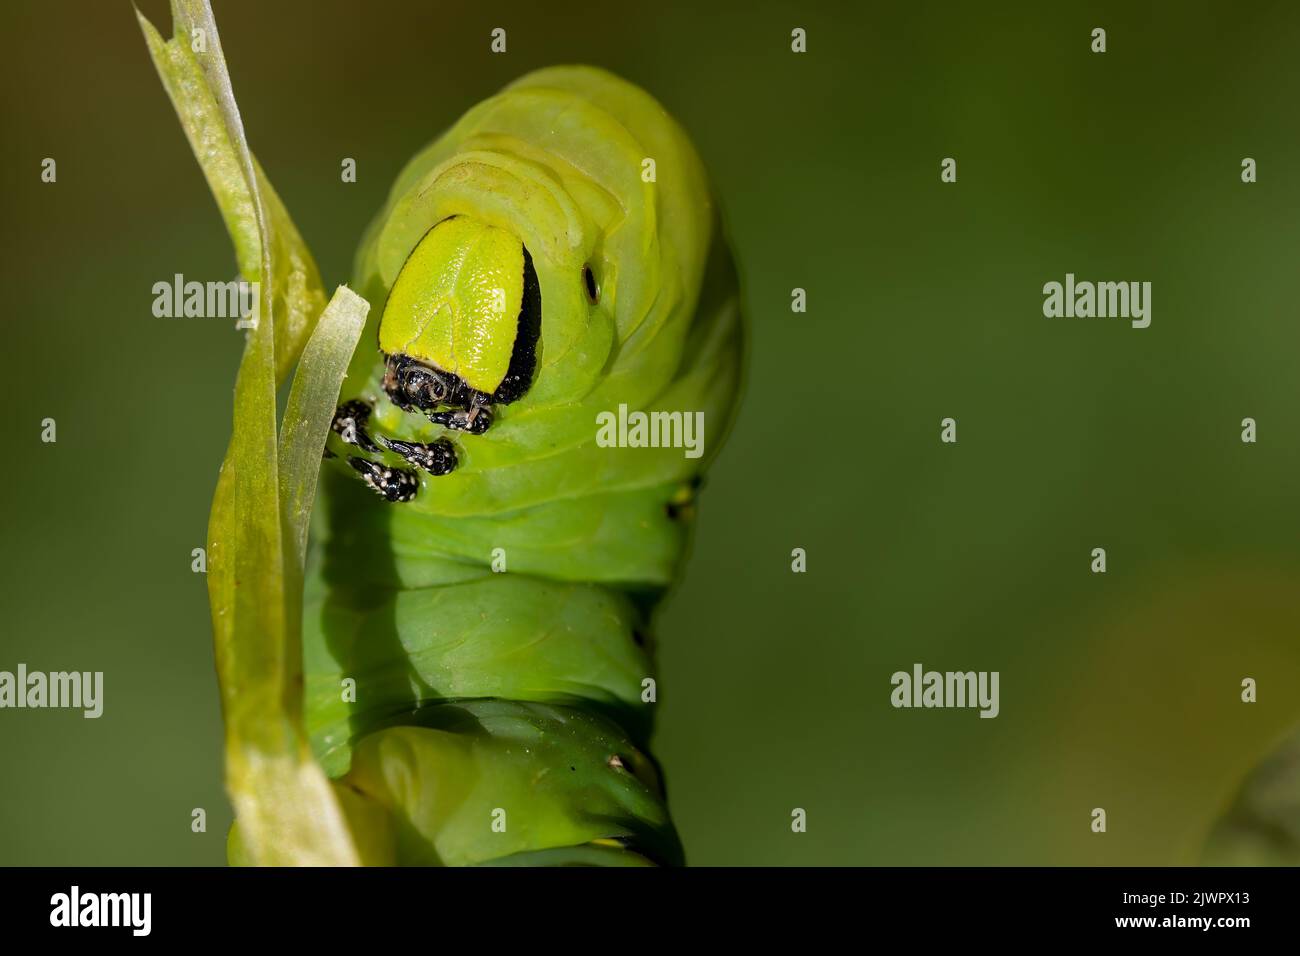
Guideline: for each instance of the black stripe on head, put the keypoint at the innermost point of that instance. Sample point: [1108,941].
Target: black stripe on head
[523,358]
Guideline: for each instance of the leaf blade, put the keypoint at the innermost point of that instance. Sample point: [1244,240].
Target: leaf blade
[269,250]
[287,810]
[310,410]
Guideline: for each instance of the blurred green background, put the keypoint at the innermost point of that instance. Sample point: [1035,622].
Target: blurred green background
[924,301]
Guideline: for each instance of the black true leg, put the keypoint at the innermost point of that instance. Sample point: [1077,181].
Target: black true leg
[349,423]
[474,421]
[391,483]
[437,458]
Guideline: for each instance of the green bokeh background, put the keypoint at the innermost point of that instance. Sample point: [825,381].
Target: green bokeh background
[1119,691]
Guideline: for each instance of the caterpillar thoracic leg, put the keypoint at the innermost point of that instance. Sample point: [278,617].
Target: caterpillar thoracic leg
[437,458]
[394,484]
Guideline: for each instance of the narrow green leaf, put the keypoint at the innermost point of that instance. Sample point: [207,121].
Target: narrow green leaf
[310,411]
[287,812]
[193,71]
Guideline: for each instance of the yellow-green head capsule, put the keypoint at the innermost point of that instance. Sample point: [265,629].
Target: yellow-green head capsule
[461,324]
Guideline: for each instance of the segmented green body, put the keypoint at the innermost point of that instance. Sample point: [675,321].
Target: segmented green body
[503,715]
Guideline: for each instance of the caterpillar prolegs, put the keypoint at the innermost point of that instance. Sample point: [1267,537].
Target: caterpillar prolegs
[477,654]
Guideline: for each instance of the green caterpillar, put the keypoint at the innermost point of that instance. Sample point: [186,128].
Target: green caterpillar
[518,693]
[477,666]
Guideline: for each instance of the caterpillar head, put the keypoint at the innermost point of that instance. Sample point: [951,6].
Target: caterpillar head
[460,328]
